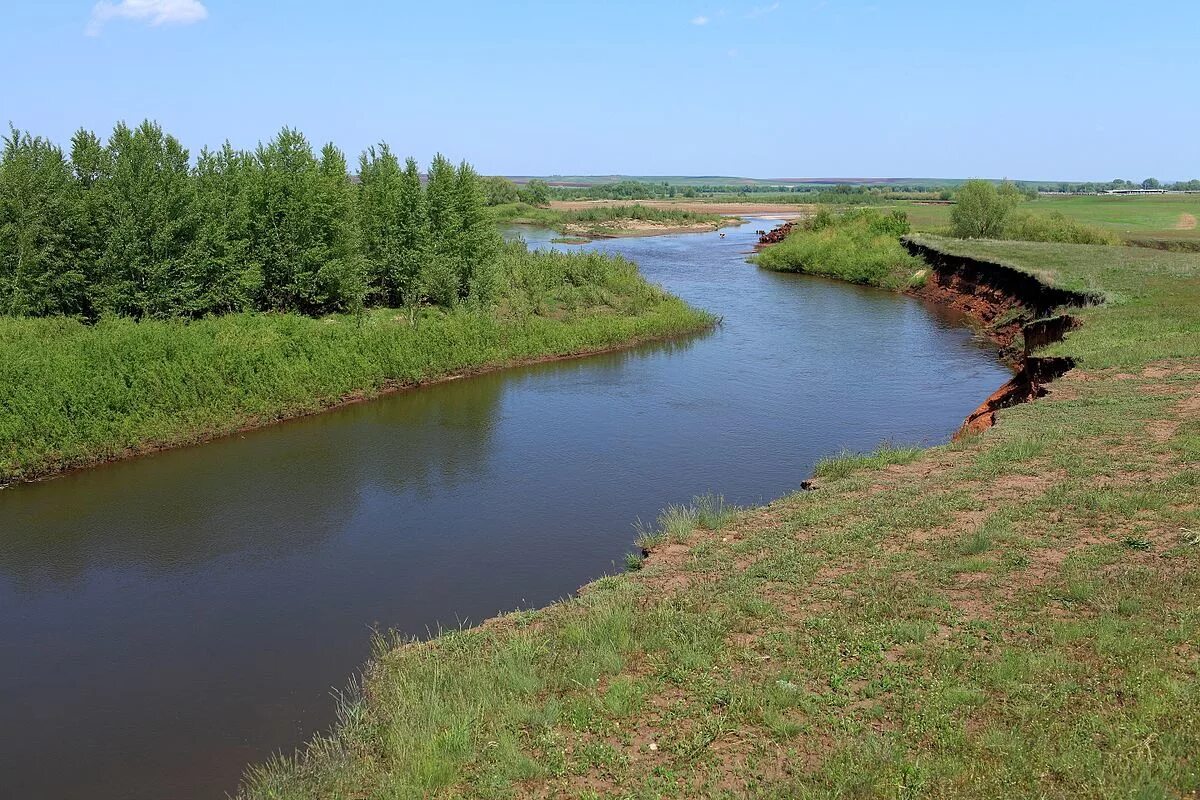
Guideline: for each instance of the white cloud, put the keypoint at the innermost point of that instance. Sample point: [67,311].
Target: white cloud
[700,20]
[152,12]
[759,11]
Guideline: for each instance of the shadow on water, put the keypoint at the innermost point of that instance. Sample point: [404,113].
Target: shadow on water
[170,619]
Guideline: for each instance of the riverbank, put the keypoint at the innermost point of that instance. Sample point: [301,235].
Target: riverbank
[579,222]
[74,395]
[891,629]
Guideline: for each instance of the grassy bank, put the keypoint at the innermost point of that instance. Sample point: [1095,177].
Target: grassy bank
[610,220]
[1011,615]
[858,246]
[73,394]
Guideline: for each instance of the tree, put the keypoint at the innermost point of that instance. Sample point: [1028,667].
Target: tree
[380,215]
[478,239]
[38,271]
[980,209]
[440,277]
[147,208]
[414,245]
[226,272]
[1151,183]
[305,228]
[498,191]
[341,276]
[536,192]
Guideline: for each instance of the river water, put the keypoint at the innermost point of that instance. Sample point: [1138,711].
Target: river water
[167,620]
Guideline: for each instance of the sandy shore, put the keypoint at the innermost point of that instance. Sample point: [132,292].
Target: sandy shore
[746,209]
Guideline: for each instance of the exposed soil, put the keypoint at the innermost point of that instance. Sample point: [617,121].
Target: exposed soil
[1016,308]
[1187,222]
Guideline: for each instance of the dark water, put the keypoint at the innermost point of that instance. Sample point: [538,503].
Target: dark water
[165,621]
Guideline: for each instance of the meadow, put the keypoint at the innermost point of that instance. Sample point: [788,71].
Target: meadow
[1137,217]
[1014,614]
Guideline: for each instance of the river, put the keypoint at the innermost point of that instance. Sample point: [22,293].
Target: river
[165,621]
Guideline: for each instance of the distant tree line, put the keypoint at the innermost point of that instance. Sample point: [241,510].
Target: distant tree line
[131,227]
[498,191]
[1099,187]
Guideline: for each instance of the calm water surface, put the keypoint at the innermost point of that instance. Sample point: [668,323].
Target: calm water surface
[167,620]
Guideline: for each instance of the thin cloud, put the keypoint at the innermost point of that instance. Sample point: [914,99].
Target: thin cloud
[760,11]
[700,20]
[151,12]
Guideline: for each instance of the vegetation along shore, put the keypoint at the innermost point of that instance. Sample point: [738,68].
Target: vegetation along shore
[146,303]
[1010,614]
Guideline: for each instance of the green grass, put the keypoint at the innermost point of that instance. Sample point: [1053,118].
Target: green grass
[1137,217]
[859,246]
[1012,615]
[73,394]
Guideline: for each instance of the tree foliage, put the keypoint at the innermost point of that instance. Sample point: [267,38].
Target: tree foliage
[132,227]
[981,209]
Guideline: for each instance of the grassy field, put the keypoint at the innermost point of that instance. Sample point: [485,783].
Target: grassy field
[1169,217]
[74,394]
[1013,615]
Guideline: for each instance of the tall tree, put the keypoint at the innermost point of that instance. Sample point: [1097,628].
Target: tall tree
[144,268]
[225,270]
[283,216]
[441,276]
[341,276]
[380,214]
[414,244]
[478,242]
[38,271]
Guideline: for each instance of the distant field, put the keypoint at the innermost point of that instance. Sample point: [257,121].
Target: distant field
[1154,216]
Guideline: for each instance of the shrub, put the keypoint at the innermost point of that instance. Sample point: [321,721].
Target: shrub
[860,246]
[1056,227]
[980,209]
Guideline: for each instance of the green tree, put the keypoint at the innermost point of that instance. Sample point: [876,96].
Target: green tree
[38,202]
[305,228]
[441,275]
[415,245]
[380,213]
[498,191]
[536,192]
[148,210]
[224,267]
[980,210]
[478,241]
[342,275]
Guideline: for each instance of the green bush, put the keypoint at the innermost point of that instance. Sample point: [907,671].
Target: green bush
[860,246]
[981,210]
[1056,227]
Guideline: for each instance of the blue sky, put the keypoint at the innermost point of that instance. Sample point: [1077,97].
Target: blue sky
[1036,90]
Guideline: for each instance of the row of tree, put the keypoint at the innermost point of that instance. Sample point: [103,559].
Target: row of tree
[130,226]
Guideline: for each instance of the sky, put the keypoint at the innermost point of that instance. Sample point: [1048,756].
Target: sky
[763,88]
